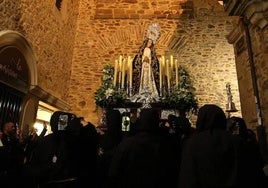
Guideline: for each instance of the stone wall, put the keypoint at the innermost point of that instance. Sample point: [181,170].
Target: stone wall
[10,15]
[249,38]
[260,53]
[194,31]
[262,69]
[50,32]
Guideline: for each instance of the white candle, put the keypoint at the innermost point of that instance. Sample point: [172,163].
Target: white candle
[128,69]
[171,62]
[123,72]
[115,72]
[120,59]
[119,78]
[120,72]
[171,68]
[177,76]
[130,72]
[163,65]
[160,73]
[168,74]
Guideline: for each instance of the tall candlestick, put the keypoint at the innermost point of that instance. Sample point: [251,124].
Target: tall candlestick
[119,79]
[171,62]
[120,59]
[130,72]
[168,75]
[120,73]
[123,73]
[128,69]
[120,66]
[115,72]
[160,74]
[176,72]
[163,65]
[172,70]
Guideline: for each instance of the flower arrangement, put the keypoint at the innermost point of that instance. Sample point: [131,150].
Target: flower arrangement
[107,95]
[183,96]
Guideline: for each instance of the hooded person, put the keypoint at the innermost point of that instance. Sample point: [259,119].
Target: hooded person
[237,126]
[87,152]
[11,154]
[208,158]
[108,143]
[149,120]
[64,121]
[250,162]
[211,117]
[144,159]
[54,160]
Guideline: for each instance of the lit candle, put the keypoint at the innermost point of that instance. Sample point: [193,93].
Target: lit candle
[160,73]
[119,78]
[120,59]
[120,72]
[171,62]
[168,74]
[115,71]
[177,75]
[128,66]
[130,72]
[163,65]
[123,72]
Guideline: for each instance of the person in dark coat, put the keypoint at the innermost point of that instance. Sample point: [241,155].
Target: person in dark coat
[11,155]
[87,160]
[146,159]
[208,158]
[55,159]
[108,143]
[248,159]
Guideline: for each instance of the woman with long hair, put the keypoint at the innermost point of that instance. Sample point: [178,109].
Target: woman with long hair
[146,66]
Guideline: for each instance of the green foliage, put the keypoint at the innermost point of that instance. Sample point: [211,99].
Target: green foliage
[107,95]
[182,97]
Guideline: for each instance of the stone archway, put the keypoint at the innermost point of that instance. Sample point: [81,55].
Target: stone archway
[18,72]
[18,41]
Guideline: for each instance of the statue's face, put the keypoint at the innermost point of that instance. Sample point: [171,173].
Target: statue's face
[149,43]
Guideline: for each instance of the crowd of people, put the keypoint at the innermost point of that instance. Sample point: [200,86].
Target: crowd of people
[219,152]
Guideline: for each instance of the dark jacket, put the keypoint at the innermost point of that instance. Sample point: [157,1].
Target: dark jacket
[208,159]
[145,160]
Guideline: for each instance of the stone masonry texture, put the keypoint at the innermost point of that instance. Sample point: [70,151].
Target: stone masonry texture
[73,44]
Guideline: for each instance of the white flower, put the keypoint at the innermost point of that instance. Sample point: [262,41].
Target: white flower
[109,92]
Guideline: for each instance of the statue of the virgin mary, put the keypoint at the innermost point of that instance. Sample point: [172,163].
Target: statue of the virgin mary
[146,69]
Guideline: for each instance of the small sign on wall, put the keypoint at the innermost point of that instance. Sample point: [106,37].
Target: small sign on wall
[13,67]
